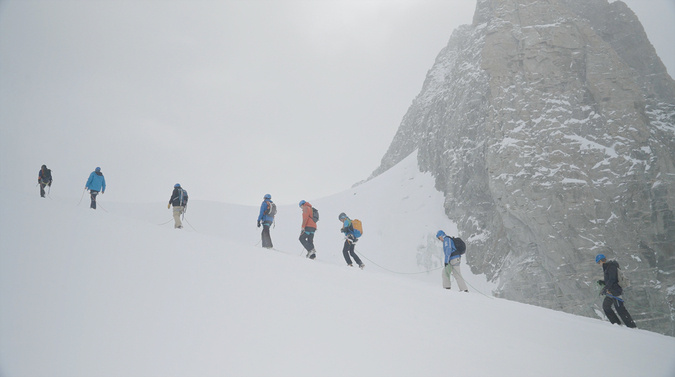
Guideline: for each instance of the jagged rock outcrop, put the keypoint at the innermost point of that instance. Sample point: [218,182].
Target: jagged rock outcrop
[550,126]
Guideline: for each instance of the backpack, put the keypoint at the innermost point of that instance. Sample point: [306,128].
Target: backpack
[315,214]
[271,209]
[183,197]
[358,228]
[460,246]
[624,282]
[46,176]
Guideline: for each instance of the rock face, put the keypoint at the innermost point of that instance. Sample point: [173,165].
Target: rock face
[550,127]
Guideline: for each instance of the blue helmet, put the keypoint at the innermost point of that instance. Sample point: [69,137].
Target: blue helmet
[98,168]
[301,203]
[342,216]
[440,234]
[176,185]
[599,257]
[268,196]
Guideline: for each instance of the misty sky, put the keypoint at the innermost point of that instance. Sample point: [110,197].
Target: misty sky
[233,99]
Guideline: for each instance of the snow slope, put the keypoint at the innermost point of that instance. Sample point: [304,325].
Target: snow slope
[113,293]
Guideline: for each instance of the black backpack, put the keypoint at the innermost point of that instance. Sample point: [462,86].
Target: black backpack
[460,246]
[315,214]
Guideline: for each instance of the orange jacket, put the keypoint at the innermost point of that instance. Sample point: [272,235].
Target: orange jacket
[307,215]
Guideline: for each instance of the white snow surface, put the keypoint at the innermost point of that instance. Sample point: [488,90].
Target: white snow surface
[113,293]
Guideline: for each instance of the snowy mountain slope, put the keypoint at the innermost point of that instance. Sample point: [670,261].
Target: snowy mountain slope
[96,293]
[401,212]
[550,127]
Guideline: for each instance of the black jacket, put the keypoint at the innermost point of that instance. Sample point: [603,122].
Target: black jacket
[612,277]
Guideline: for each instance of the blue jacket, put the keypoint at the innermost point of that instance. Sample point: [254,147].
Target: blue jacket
[96,182]
[262,217]
[449,249]
[347,227]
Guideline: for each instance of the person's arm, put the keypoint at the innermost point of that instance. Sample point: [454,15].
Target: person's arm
[447,249]
[263,208]
[91,177]
[305,215]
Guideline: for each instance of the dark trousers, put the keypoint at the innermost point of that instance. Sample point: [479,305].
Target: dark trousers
[42,189]
[307,238]
[348,250]
[266,238]
[620,308]
[93,199]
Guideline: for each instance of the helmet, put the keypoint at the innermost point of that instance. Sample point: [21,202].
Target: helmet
[301,203]
[342,216]
[176,185]
[98,168]
[268,196]
[599,257]
[440,233]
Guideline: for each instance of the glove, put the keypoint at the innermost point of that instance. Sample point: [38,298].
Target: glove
[258,223]
[601,282]
[168,206]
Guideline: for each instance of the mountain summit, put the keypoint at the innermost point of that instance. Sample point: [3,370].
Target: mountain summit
[550,127]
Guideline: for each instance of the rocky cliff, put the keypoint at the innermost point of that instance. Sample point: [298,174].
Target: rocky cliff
[550,127]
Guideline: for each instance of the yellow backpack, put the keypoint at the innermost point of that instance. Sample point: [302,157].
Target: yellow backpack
[358,227]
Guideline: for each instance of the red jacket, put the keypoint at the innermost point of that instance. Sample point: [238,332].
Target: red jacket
[307,215]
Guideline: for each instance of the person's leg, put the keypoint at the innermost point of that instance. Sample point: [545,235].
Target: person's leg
[353,254]
[345,252]
[607,307]
[623,313]
[446,276]
[93,199]
[457,272]
[303,240]
[266,238]
[177,211]
[310,242]
[42,189]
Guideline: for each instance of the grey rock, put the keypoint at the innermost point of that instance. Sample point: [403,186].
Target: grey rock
[550,127]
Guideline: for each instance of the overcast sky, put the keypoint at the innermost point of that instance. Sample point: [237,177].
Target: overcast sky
[233,99]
